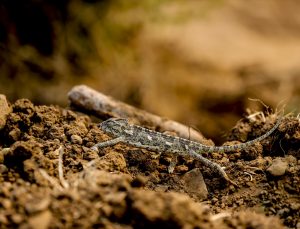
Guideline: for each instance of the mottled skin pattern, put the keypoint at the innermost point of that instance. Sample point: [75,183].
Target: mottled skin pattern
[137,136]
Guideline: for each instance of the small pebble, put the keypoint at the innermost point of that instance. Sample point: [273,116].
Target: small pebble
[194,183]
[278,167]
[37,205]
[41,220]
[214,200]
[17,218]
[76,139]
[6,203]
[15,134]
[3,168]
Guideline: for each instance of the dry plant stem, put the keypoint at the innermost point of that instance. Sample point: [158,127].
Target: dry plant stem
[103,106]
[50,179]
[62,180]
[252,116]
[221,215]
[249,174]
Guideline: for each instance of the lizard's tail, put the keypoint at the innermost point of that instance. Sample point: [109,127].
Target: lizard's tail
[246,144]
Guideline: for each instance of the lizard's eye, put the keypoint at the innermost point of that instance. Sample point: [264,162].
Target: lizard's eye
[106,124]
[113,123]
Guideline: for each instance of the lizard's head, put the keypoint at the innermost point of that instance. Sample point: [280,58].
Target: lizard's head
[115,127]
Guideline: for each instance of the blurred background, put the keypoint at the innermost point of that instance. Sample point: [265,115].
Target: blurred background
[194,61]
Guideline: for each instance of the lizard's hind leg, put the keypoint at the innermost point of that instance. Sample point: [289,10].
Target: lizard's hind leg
[214,166]
[173,163]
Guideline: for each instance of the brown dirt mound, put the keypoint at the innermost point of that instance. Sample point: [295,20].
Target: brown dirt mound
[126,187]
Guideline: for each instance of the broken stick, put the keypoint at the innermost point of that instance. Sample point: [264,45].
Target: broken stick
[102,106]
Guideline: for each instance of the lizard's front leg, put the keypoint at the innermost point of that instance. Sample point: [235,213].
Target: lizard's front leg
[107,143]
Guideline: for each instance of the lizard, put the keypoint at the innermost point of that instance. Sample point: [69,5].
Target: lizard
[124,132]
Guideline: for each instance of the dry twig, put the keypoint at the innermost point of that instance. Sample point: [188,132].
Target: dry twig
[103,106]
[62,180]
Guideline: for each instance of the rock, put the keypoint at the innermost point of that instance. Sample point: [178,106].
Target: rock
[15,134]
[3,169]
[5,109]
[76,139]
[6,203]
[37,205]
[278,167]
[17,218]
[194,184]
[41,220]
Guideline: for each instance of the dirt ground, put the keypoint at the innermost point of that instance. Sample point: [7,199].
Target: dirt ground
[126,187]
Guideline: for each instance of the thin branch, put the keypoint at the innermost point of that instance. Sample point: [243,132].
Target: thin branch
[89,100]
[260,101]
[62,180]
[50,179]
